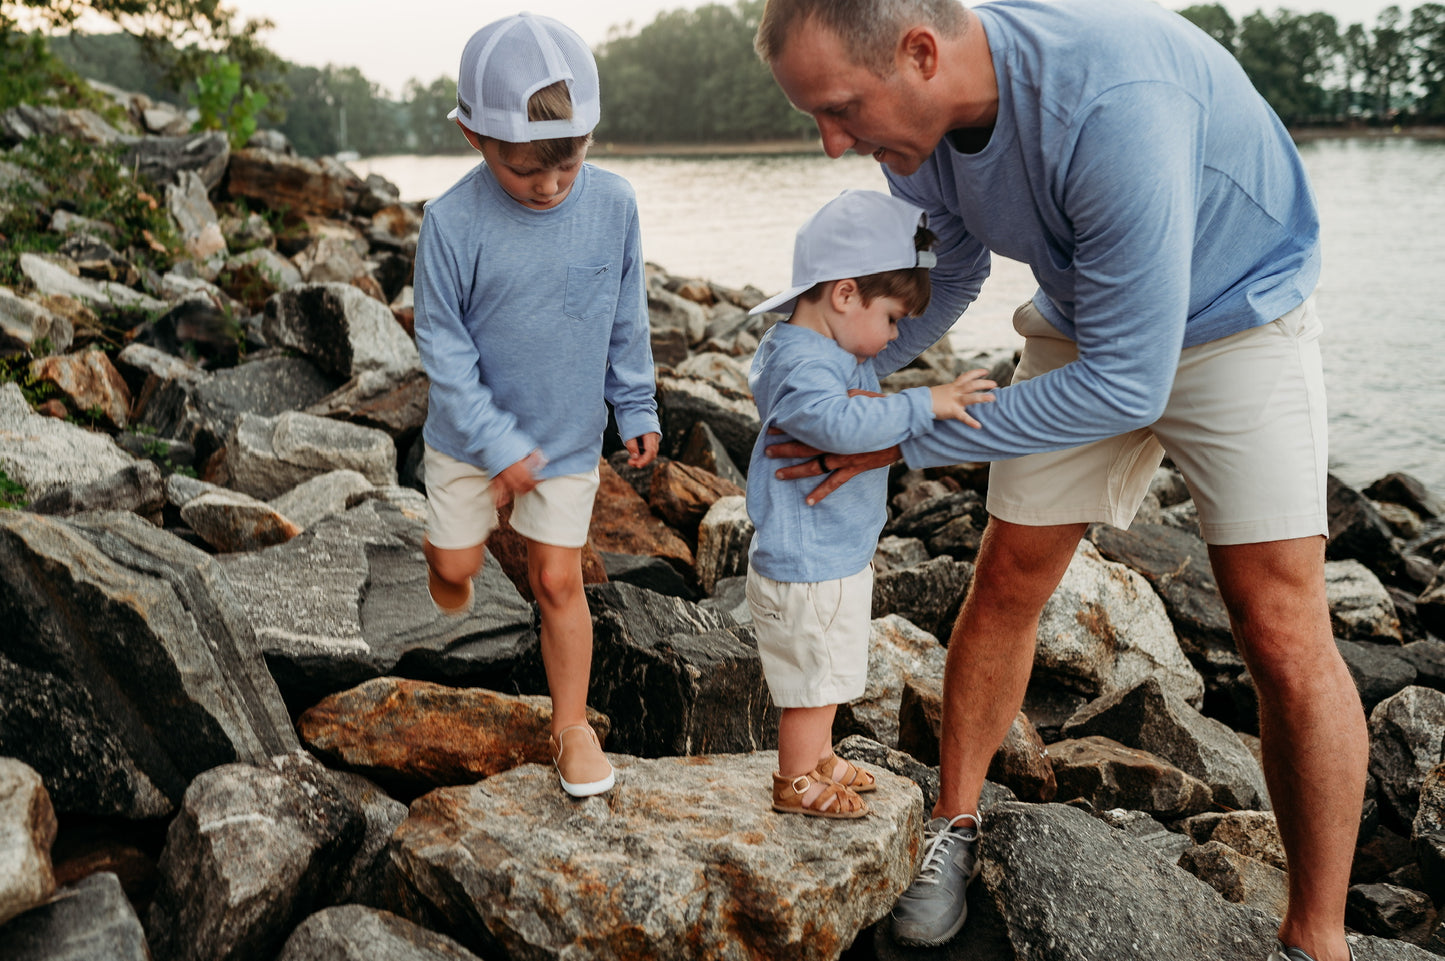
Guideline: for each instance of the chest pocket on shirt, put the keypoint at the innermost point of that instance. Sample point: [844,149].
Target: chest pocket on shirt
[591,291]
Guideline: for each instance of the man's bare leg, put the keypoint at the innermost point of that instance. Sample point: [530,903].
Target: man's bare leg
[1311,726]
[991,651]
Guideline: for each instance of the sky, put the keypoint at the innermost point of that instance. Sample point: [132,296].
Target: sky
[392,42]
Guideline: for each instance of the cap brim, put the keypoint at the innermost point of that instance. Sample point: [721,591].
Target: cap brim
[781,303]
[454,113]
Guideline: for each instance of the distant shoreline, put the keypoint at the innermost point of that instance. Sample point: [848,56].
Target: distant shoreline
[795,146]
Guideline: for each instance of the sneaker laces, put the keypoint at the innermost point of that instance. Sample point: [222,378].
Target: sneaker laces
[940,843]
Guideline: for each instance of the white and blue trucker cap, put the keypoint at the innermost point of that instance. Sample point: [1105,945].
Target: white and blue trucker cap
[857,233]
[507,61]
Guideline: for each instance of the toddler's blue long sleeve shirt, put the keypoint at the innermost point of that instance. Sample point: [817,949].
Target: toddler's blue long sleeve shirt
[527,319]
[800,381]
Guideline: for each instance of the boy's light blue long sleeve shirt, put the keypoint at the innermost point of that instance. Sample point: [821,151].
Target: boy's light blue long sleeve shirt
[800,381]
[1154,193]
[527,319]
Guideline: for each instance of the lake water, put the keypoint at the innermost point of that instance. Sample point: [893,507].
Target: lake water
[1381,295]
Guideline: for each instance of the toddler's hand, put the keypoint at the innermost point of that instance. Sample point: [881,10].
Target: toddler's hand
[517,479]
[951,401]
[643,449]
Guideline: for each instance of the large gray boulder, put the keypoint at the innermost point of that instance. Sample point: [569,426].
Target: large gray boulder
[1427,834]
[27,830]
[345,332]
[26,325]
[1059,885]
[101,295]
[127,666]
[267,456]
[1360,607]
[347,600]
[928,594]
[1151,719]
[252,851]
[1407,740]
[897,650]
[683,859]
[352,932]
[90,920]
[1105,630]
[673,678]
[46,455]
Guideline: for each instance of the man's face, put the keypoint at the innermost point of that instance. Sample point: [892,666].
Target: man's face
[854,108]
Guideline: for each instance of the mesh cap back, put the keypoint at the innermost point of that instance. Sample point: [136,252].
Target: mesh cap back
[507,61]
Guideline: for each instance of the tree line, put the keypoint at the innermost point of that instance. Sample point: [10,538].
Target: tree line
[691,75]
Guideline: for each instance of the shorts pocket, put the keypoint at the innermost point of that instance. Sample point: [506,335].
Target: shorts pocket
[591,291]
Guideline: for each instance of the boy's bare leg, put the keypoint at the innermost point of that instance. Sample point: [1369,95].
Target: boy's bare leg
[991,651]
[1311,725]
[449,572]
[555,574]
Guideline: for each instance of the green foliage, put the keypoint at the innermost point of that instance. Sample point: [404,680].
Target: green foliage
[226,102]
[692,75]
[91,181]
[12,494]
[16,370]
[1214,20]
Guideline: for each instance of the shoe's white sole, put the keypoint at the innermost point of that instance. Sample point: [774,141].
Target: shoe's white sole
[589,788]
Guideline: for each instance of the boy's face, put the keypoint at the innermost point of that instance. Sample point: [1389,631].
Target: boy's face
[864,330]
[524,179]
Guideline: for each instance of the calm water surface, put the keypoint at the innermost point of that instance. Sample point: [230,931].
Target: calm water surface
[1382,293]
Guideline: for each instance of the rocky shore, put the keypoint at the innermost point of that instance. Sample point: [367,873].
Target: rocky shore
[234,727]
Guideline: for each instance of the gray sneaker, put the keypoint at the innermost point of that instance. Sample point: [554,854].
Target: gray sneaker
[1283,953]
[935,905]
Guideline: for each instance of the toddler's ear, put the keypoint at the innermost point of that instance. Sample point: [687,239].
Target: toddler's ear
[844,293]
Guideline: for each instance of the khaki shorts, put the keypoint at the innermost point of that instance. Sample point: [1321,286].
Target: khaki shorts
[813,638]
[1245,425]
[462,513]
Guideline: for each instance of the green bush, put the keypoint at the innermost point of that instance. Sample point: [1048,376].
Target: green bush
[11,493]
[93,182]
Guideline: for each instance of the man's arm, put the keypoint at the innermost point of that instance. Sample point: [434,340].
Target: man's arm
[1131,195]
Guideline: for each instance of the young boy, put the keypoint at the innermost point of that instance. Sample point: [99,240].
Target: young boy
[860,264]
[530,310]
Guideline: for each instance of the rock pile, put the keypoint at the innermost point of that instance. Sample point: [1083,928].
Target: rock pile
[233,726]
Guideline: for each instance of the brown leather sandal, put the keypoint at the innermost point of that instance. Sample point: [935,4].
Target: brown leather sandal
[853,777]
[834,801]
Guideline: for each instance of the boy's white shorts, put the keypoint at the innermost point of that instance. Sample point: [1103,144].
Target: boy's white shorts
[1245,425]
[462,513]
[813,637]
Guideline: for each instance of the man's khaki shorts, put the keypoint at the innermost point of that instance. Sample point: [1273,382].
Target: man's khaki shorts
[462,513]
[1245,425]
[813,638]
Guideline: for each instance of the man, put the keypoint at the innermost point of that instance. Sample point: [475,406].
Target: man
[1124,156]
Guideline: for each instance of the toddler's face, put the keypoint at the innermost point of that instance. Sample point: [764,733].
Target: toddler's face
[525,180]
[863,331]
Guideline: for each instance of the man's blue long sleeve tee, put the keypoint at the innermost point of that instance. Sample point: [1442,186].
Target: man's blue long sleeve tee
[527,319]
[1156,196]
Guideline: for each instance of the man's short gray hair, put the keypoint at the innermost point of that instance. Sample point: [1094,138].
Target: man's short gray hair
[869,29]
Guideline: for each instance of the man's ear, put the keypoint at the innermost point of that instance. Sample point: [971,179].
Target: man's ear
[918,52]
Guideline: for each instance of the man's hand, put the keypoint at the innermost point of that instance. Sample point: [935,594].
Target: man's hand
[838,468]
[517,479]
[643,449]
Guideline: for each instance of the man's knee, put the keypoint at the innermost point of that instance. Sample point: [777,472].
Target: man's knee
[1019,567]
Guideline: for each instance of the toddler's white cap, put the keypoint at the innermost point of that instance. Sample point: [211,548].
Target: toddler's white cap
[507,61]
[857,233]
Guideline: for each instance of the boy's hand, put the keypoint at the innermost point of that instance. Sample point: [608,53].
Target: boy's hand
[517,479]
[951,401]
[643,449]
